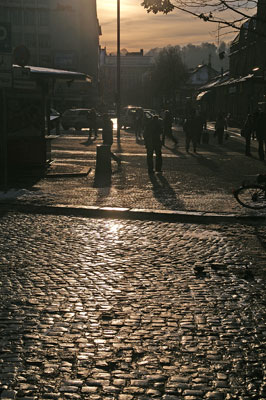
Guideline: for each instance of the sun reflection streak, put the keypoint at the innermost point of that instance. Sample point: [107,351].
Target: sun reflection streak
[113,227]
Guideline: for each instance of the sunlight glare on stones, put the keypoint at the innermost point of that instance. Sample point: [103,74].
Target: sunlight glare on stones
[113,227]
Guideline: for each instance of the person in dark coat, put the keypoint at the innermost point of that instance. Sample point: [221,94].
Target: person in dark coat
[107,135]
[260,127]
[152,138]
[202,126]
[167,127]
[192,127]
[247,132]
[139,116]
[220,126]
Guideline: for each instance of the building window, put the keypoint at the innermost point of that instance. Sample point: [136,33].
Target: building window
[44,17]
[44,41]
[29,17]
[30,40]
[15,16]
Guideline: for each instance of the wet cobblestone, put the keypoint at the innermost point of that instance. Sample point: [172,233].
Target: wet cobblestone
[125,310]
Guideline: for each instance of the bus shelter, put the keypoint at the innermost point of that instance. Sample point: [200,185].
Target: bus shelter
[26,120]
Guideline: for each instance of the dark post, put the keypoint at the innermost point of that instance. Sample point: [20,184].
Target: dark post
[4,139]
[118,97]
[103,170]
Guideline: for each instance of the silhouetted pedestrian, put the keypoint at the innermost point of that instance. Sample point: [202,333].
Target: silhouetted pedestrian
[202,125]
[139,116]
[167,127]
[247,131]
[192,127]
[107,135]
[220,126]
[260,128]
[152,138]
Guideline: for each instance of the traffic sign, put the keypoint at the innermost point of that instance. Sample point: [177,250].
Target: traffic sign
[5,38]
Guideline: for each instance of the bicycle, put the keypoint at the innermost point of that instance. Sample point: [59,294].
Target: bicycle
[252,195]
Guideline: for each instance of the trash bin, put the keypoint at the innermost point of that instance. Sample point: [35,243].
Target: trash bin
[103,170]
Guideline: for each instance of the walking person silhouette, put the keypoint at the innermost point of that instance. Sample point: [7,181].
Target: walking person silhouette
[152,138]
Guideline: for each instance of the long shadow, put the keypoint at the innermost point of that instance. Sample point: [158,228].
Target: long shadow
[174,150]
[261,236]
[206,162]
[164,193]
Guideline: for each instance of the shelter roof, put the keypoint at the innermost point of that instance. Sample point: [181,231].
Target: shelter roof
[56,73]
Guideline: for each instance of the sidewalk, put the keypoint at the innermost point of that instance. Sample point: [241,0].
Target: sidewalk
[192,186]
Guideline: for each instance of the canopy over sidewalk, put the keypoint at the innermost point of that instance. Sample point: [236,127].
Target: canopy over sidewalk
[53,73]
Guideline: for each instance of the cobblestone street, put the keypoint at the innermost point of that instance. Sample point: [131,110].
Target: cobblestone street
[130,310]
[190,182]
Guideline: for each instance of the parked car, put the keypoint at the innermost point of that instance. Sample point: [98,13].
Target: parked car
[79,118]
[128,116]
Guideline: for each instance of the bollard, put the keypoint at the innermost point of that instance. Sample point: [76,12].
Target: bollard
[103,170]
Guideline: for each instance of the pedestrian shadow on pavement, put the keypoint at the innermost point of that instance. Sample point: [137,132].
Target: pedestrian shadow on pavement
[164,193]
[206,162]
[175,150]
[102,193]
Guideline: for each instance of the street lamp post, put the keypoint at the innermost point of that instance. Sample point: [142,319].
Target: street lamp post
[118,89]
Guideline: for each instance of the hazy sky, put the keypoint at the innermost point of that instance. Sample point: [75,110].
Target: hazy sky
[140,30]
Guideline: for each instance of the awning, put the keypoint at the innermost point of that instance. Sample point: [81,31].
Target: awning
[234,81]
[201,95]
[55,73]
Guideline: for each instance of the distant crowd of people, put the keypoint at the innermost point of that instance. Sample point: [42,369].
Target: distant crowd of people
[156,128]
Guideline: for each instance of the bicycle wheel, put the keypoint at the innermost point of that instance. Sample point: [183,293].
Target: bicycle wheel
[251,196]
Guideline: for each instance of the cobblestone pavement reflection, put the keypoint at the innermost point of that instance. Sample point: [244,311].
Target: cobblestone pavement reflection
[109,309]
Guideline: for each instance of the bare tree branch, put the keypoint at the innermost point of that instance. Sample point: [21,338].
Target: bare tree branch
[227,13]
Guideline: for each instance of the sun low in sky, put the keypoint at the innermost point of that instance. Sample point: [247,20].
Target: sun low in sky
[140,30]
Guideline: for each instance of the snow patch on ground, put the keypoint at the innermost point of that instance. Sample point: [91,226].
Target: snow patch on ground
[18,194]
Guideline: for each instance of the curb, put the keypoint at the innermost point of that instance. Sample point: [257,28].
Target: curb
[67,174]
[135,214]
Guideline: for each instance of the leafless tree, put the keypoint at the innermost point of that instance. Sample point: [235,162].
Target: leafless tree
[230,14]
